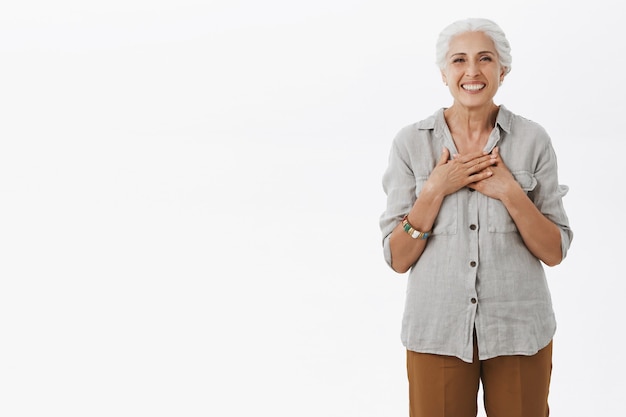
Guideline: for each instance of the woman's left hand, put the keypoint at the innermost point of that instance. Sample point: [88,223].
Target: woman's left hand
[540,234]
[500,183]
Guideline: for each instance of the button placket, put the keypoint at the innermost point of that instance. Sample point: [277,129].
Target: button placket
[472,234]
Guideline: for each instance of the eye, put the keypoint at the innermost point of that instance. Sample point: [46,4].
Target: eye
[457,60]
[486,58]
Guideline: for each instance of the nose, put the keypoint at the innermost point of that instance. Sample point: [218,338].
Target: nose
[472,69]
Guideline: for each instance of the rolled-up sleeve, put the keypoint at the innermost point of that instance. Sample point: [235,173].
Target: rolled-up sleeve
[548,194]
[399,186]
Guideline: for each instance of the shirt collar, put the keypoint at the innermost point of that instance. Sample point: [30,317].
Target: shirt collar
[504,119]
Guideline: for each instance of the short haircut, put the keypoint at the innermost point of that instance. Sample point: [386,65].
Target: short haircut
[486,26]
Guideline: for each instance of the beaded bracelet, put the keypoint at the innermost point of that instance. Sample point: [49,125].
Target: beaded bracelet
[415,234]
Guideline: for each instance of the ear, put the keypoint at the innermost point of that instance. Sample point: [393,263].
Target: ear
[443,78]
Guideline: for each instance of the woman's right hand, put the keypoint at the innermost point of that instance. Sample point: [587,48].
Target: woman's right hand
[450,175]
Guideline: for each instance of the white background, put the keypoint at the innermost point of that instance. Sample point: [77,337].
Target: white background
[190,193]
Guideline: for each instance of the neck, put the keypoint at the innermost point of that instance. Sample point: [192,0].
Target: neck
[470,127]
[471,119]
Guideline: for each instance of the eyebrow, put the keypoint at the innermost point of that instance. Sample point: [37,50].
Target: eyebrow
[479,53]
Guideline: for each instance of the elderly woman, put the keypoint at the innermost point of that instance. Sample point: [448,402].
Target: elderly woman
[474,208]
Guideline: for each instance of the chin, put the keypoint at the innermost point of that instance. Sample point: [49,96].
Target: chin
[476,103]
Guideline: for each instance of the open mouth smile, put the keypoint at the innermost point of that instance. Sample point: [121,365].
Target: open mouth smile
[472,87]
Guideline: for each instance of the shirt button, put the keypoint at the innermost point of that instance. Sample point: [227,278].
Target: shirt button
[473,264]
[473,300]
[472,227]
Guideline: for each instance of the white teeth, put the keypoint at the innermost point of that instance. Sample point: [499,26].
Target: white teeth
[473,87]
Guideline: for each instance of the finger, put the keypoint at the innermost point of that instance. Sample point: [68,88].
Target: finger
[496,153]
[490,160]
[480,164]
[471,156]
[498,157]
[479,176]
[445,155]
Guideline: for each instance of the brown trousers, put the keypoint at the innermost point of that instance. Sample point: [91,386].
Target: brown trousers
[513,386]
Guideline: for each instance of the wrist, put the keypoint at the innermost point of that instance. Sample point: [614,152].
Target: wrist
[512,194]
[412,231]
[431,195]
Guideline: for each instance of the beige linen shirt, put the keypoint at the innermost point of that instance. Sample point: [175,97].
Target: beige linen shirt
[475,272]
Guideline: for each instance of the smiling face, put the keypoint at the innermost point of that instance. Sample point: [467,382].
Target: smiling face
[473,72]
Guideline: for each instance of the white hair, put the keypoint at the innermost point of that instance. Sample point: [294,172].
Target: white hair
[486,26]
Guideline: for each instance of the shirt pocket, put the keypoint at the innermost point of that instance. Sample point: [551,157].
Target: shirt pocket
[446,221]
[499,219]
